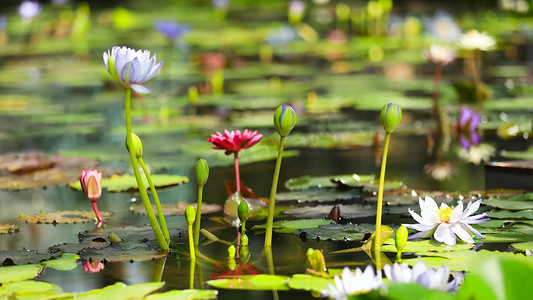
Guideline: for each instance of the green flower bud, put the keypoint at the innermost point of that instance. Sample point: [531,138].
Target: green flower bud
[232,264]
[391,116]
[284,119]
[113,238]
[231,251]
[244,254]
[243,210]
[137,145]
[309,252]
[202,172]
[190,214]
[401,238]
[244,240]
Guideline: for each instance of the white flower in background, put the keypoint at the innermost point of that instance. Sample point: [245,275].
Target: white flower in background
[435,279]
[446,222]
[473,39]
[353,283]
[440,170]
[477,153]
[29,10]
[440,54]
[443,27]
[131,68]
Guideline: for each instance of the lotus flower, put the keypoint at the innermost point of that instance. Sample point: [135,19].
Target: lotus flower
[91,183]
[132,68]
[234,141]
[435,279]
[473,40]
[29,10]
[468,124]
[171,29]
[439,54]
[446,222]
[353,283]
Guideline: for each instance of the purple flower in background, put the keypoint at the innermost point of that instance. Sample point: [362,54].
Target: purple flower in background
[131,68]
[420,273]
[443,27]
[468,124]
[171,29]
[220,4]
[29,10]
[3,23]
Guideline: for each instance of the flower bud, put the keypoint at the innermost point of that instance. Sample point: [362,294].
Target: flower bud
[232,264]
[243,210]
[202,172]
[401,238]
[91,183]
[190,214]
[391,116]
[113,238]
[244,254]
[284,119]
[231,251]
[137,145]
[244,240]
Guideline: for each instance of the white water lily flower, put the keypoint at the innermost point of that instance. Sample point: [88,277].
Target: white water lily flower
[353,283]
[473,39]
[435,279]
[440,54]
[446,222]
[132,68]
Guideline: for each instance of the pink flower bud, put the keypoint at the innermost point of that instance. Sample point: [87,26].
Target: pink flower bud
[91,183]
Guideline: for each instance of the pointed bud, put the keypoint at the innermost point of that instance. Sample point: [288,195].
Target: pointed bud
[231,251]
[244,254]
[232,264]
[243,210]
[137,145]
[401,238]
[202,172]
[244,240]
[113,238]
[190,214]
[391,116]
[91,183]
[284,119]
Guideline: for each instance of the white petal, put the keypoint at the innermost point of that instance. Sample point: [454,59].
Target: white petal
[140,89]
[457,213]
[136,71]
[421,227]
[462,234]
[418,218]
[154,71]
[445,235]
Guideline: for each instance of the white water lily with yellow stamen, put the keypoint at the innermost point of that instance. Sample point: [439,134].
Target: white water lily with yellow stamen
[444,223]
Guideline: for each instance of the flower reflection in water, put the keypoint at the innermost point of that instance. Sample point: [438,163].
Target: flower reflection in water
[93,267]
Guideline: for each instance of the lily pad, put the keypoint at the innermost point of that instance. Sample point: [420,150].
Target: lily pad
[19,273]
[525,246]
[507,214]
[21,257]
[28,290]
[337,232]
[308,282]
[293,225]
[345,180]
[177,209]
[8,228]
[252,282]
[184,295]
[62,217]
[318,195]
[348,211]
[66,262]
[510,204]
[115,253]
[118,291]
[126,182]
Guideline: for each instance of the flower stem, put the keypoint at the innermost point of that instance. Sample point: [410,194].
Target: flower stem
[237,173]
[198,216]
[191,243]
[97,212]
[272,204]
[142,190]
[160,214]
[377,238]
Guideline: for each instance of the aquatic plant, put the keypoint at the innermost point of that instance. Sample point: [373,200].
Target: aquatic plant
[420,273]
[391,117]
[93,267]
[467,125]
[444,223]
[353,283]
[28,10]
[234,142]
[296,11]
[242,211]
[284,122]
[91,184]
[202,173]
[400,241]
[442,27]
[190,216]
[132,68]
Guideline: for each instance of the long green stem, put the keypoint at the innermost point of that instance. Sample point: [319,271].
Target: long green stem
[142,190]
[272,204]
[160,214]
[198,216]
[191,243]
[377,238]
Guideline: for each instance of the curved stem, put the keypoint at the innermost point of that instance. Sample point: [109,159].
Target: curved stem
[198,216]
[377,238]
[97,212]
[272,204]
[142,190]
[237,173]
[160,213]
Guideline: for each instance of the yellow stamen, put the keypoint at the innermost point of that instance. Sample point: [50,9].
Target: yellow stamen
[445,213]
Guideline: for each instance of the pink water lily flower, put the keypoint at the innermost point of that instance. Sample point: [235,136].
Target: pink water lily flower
[91,183]
[132,68]
[234,141]
[446,222]
[93,267]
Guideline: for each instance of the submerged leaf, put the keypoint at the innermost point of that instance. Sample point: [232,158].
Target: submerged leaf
[62,217]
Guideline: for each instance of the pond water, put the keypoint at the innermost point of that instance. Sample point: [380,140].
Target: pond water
[60,112]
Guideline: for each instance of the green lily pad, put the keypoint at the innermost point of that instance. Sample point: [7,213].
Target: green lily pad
[317,195]
[115,253]
[184,295]
[507,214]
[348,211]
[509,204]
[118,291]
[346,180]
[293,225]
[19,273]
[252,282]
[62,217]
[126,182]
[66,262]
[177,209]
[308,282]
[340,140]
[28,290]
[523,246]
[430,245]
[21,257]
[337,232]
[8,228]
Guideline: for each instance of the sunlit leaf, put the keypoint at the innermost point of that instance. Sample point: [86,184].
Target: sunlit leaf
[308,282]
[184,295]
[429,245]
[120,291]
[525,246]
[66,262]
[506,214]
[126,182]
[252,282]
[177,209]
[62,217]
[28,290]
[19,273]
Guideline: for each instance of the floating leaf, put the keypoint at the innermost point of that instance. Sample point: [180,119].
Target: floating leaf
[525,246]
[177,209]
[8,228]
[117,291]
[293,225]
[509,204]
[18,273]
[308,282]
[62,217]
[252,282]
[21,257]
[506,214]
[430,245]
[307,182]
[28,290]
[184,295]
[338,232]
[317,195]
[126,182]
[66,262]
[115,253]
[348,211]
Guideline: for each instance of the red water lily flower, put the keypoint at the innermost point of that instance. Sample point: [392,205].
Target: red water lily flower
[234,141]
